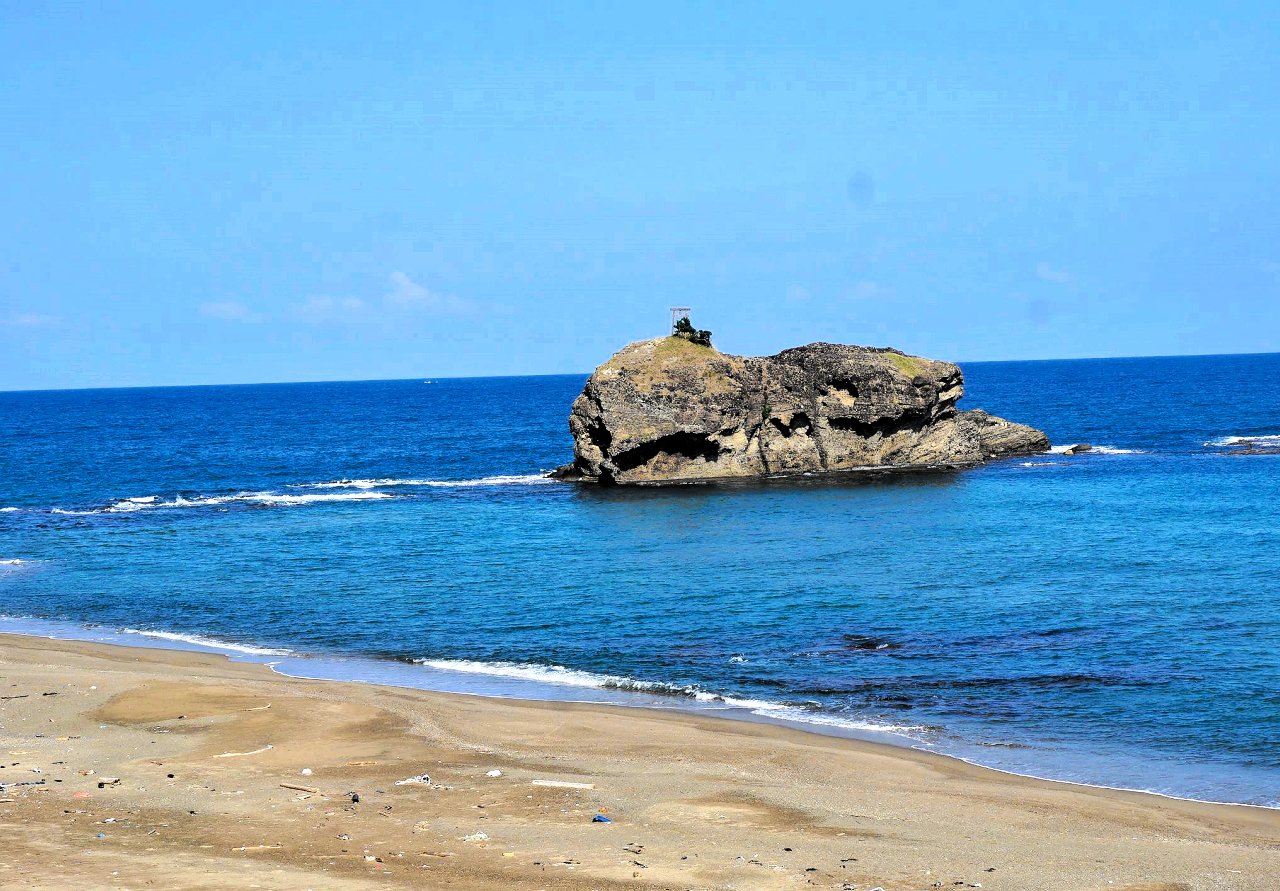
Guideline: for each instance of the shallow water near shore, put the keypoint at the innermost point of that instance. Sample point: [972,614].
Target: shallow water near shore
[1108,618]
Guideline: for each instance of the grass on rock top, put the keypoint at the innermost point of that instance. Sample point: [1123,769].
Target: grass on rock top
[673,346]
[908,365]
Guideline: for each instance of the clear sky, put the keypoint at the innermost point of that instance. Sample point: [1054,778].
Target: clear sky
[240,192]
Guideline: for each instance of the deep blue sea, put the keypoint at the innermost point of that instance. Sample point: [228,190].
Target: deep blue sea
[1108,618]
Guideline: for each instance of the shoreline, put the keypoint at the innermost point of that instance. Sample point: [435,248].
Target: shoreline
[210,755]
[410,675]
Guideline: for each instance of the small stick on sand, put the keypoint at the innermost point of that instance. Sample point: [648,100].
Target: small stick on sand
[561,784]
[297,788]
[239,754]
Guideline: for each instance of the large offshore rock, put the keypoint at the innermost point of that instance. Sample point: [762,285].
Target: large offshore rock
[668,410]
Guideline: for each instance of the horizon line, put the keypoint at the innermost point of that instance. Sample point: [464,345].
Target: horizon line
[465,377]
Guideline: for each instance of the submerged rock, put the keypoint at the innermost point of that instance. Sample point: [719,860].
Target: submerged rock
[668,410]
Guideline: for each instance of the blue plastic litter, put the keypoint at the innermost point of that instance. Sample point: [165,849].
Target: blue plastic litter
[600,818]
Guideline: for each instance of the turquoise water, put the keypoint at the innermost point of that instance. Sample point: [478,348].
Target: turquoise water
[1108,618]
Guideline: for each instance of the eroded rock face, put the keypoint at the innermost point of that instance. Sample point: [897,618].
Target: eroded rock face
[667,410]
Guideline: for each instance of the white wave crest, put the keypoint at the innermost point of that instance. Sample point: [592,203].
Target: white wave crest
[14,562]
[9,510]
[151,502]
[1096,450]
[1269,440]
[569,677]
[208,642]
[272,498]
[510,480]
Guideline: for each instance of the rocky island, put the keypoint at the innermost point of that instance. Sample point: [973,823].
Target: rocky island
[674,410]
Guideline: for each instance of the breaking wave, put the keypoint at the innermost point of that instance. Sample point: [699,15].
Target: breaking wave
[559,675]
[1267,440]
[151,502]
[508,480]
[1095,450]
[335,490]
[213,643]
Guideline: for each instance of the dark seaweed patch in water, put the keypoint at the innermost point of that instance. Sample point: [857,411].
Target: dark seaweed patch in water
[1056,632]
[900,689]
[868,643]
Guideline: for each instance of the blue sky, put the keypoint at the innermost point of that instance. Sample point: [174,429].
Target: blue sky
[269,192]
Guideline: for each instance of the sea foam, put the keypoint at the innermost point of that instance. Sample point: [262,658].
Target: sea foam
[506,480]
[213,643]
[151,502]
[1268,440]
[570,677]
[1096,450]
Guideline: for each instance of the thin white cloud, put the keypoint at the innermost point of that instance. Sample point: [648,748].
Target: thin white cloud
[28,320]
[1047,273]
[323,310]
[868,290]
[399,305]
[230,311]
[408,293]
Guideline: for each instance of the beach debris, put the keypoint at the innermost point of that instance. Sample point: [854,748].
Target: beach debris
[355,797]
[247,848]
[421,779]
[494,773]
[562,784]
[344,837]
[108,781]
[101,835]
[80,795]
[476,837]
[242,754]
[306,771]
[600,818]
[297,788]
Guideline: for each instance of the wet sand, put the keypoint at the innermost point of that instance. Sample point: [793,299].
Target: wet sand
[130,768]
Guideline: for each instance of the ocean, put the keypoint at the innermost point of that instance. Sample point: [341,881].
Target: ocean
[1108,618]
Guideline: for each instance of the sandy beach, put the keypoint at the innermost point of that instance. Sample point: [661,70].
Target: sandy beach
[130,768]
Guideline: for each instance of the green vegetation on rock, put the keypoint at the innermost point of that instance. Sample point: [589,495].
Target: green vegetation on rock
[685,329]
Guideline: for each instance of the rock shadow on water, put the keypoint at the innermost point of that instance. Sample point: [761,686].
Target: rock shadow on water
[828,483]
